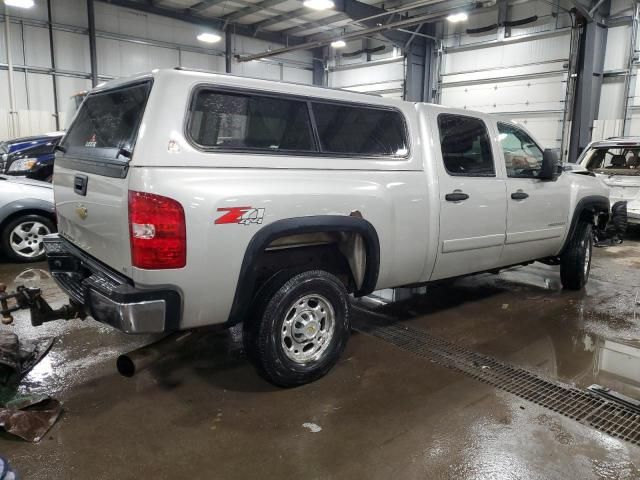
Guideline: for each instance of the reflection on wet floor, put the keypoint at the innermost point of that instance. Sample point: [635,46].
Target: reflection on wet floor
[522,316]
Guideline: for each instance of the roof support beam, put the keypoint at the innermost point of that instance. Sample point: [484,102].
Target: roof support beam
[243,12]
[203,5]
[348,9]
[212,23]
[407,22]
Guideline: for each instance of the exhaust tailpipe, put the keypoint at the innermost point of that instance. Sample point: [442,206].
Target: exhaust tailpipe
[128,364]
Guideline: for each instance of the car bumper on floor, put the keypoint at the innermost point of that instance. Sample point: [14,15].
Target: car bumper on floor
[108,296]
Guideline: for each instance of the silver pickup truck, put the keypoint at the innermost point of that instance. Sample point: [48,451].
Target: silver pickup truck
[187,199]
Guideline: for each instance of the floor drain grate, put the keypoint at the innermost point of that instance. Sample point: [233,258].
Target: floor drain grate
[604,415]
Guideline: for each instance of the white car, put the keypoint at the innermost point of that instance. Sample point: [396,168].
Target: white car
[616,161]
[187,199]
[27,215]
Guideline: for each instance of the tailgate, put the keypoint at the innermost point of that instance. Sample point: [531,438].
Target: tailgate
[622,186]
[90,178]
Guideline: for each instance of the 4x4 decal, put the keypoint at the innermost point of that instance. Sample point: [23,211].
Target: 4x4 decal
[240,215]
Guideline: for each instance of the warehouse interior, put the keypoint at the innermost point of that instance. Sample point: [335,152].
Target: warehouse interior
[413,394]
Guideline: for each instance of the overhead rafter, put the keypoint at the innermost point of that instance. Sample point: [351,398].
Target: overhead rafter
[382,28]
[328,21]
[213,23]
[203,5]
[347,9]
[243,12]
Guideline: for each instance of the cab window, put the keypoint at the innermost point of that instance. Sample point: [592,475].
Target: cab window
[466,147]
[229,120]
[523,158]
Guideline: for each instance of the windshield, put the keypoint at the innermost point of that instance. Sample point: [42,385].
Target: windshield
[613,160]
[107,123]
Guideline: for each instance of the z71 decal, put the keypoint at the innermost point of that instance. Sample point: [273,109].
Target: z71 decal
[240,215]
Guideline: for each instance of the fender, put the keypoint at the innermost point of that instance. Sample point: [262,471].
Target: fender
[591,203]
[300,225]
[26,204]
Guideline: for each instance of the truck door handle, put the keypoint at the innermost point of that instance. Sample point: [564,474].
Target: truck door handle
[80,184]
[455,197]
[519,195]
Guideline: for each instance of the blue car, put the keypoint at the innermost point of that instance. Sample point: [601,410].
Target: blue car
[30,156]
[33,157]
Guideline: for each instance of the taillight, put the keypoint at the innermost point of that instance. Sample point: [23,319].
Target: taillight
[157,231]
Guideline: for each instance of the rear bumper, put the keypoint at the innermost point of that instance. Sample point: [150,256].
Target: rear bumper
[633,215]
[108,296]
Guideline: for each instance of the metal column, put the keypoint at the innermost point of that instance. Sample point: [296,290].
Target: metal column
[92,42]
[56,109]
[318,66]
[415,71]
[630,78]
[228,50]
[14,130]
[420,65]
[586,99]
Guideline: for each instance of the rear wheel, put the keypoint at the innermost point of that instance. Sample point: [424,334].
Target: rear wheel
[22,238]
[299,327]
[575,263]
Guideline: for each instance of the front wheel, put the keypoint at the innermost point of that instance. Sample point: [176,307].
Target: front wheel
[299,328]
[575,263]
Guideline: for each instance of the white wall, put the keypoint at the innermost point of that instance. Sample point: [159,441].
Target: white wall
[383,75]
[127,42]
[522,77]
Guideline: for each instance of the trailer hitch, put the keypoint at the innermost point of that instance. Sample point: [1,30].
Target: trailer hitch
[39,308]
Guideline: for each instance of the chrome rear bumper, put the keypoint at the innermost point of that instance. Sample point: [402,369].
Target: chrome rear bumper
[109,297]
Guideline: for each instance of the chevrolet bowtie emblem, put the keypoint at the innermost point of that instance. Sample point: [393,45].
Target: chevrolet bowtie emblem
[82,212]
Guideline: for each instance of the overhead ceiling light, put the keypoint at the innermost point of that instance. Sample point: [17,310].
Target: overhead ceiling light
[209,37]
[19,3]
[338,44]
[457,17]
[319,4]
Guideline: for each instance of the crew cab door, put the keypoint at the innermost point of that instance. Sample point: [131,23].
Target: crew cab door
[472,197]
[537,210]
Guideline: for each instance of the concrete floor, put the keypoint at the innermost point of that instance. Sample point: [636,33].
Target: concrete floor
[383,413]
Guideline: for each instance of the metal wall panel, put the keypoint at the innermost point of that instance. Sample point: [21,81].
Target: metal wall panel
[72,51]
[36,41]
[127,42]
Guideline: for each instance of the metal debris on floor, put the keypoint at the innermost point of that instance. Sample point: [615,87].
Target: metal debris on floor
[28,416]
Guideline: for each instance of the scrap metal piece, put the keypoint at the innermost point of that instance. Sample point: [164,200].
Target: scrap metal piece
[33,422]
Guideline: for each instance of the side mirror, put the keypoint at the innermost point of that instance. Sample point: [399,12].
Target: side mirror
[550,161]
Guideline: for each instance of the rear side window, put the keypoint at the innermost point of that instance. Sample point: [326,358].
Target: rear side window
[107,123]
[356,130]
[250,122]
[466,147]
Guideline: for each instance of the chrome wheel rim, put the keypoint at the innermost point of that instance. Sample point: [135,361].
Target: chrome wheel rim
[307,329]
[26,239]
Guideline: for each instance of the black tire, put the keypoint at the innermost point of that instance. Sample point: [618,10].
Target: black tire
[575,263]
[34,248]
[276,318]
